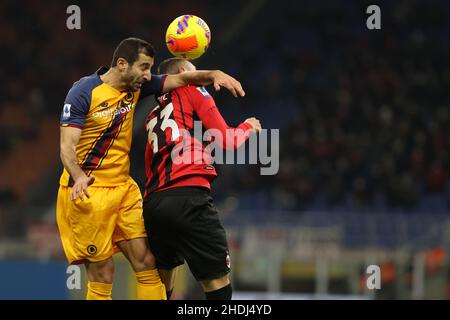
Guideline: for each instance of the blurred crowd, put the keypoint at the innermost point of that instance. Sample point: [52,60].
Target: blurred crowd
[363,115]
[42,59]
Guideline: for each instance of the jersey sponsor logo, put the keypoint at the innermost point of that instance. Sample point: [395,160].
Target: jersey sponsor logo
[203,91]
[125,108]
[66,111]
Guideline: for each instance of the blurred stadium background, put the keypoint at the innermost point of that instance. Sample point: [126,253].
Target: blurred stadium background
[364,141]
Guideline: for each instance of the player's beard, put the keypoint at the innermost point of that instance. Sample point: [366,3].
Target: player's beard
[131,82]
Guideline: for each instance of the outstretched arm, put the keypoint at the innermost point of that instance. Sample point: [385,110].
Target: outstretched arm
[228,138]
[202,78]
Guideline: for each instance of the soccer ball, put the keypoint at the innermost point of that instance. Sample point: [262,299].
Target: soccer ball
[188,37]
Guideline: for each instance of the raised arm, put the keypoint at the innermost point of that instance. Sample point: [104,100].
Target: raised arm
[228,138]
[68,143]
[203,78]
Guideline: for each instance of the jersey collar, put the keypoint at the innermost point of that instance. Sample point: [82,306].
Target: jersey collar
[101,70]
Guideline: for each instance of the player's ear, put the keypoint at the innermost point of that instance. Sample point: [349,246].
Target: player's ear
[181,69]
[122,64]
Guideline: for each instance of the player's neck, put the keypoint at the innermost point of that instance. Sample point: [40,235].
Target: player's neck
[112,79]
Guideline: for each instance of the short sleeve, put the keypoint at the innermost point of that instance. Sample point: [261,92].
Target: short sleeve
[154,86]
[76,107]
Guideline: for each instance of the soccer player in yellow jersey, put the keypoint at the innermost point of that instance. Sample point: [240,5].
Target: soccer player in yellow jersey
[96,131]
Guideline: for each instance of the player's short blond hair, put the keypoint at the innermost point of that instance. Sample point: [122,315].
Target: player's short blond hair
[171,65]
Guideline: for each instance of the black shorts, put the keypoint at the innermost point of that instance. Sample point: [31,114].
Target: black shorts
[183,224]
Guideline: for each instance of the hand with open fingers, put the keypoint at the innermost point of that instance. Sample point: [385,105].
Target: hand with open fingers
[255,124]
[80,187]
[221,79]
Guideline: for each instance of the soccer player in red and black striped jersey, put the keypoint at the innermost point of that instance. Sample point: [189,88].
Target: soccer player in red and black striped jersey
[179,215]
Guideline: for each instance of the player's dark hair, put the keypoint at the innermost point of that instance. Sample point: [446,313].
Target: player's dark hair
[170,66]
[130,48]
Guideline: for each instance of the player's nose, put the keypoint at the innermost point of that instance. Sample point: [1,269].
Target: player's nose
[147,76]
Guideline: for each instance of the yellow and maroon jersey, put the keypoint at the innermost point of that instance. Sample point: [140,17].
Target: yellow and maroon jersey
[105,117]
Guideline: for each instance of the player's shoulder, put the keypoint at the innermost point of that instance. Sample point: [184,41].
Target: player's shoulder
[85,85]
[197,91]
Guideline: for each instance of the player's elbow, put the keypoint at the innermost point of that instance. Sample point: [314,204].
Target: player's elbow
[230,145]
[222,143]
[235,139]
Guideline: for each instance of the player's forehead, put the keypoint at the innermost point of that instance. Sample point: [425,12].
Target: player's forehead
[144,59]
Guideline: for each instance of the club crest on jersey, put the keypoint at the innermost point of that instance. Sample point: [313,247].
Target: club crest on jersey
[66,111]
[203,92]
[91,249]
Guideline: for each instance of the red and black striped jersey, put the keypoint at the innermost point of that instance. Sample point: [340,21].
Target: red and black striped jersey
[176,153]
